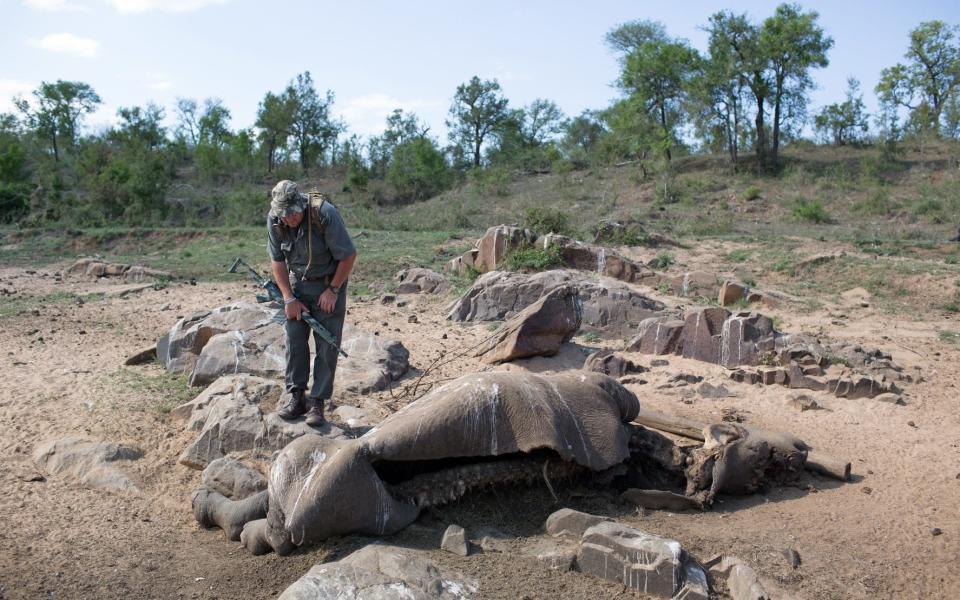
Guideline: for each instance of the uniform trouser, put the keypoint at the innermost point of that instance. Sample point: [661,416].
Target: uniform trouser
[298,350]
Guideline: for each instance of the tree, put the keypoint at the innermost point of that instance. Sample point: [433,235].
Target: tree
[929,79]
[793,43]
[581,136]
[625,38]
[187,120]
[478,109]
[141,126]
[275,123]
[312,128]
[844,122]
[658,74]
[401,128]
[525,136]
[58,110]
[417,169]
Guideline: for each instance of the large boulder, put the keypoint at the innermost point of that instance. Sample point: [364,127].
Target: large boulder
[610,307]
[247,338]
[538,330]
[232,478]
[597,259]
[497,243]
[95,464]
[235,414]
[416,280]
[381,572]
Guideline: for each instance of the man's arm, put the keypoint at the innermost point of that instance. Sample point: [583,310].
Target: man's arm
[282,277]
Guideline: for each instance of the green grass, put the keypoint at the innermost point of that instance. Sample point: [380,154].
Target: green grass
[949,337]
[812,212]
[12,305]
[161,392]
[529,258]
[740,255]
[662,261]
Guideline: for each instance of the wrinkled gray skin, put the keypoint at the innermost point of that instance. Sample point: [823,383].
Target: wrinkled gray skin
[321,488]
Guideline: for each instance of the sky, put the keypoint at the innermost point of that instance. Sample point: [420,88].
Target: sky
[380,55]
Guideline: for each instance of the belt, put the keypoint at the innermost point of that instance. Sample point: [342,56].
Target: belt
[325,279]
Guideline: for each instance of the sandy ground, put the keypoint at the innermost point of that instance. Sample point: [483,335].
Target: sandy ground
[62,374]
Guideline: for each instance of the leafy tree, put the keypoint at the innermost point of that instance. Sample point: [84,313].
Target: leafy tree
[657,75]
[58,110]
[418,170]
[141,126]
[401,128]
[275,123]
[929,79]
[581,136]
[188,127]
[793,43]
[478,109]
[628,37]
[844,122]
[14,174]
[526,136]
[312,128]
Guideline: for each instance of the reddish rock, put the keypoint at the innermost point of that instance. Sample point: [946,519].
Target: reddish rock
[499,241]
[538,330]
[657,335]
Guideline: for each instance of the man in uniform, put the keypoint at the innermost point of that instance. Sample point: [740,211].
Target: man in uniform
[308,240]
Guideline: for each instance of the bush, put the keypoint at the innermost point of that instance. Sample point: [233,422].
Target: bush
[752,193]
[418,170]
[528,258]
[810,211]
[662,262]
[545,220]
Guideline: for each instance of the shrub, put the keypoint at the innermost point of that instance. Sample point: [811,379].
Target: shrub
[545,220]
[528,258]
[752,193]
[810,211]
[418,170]
[662,261]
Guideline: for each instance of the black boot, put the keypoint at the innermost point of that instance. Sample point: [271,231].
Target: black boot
[315,413]
[291,407]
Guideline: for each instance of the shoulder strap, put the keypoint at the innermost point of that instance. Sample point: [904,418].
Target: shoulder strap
[318,221]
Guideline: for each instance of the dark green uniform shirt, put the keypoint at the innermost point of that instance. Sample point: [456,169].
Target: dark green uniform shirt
[328,248]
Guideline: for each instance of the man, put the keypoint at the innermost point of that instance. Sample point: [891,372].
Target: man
[308,239]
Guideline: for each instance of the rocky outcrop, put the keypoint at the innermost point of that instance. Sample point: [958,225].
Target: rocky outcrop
[95,464]
[538,330]
[384,573]
[235,414]
[628,233]
[492,248]
[611,308]
[597,259]
[247,338]
[417,280]
[90,267]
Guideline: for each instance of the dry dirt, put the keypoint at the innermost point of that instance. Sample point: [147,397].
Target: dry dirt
[62,374]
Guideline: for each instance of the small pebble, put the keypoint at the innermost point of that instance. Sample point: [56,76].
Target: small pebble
[935,531]
[866,490]
[911,424]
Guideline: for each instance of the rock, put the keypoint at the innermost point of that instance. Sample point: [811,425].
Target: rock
[461,264]
[745,376]
[610,363]
[234,415]
[610,307]
[640,561]
[935,531]
[742,581]
[141,357]
[731,293]
[89,461]
[690,284]
[538,330]
[417,280]
[628,233]
[889,397]
[245,338]
[352,416]
[497,243]
[659,362]
[232,478]
[388,299]
[412,319]
[559,560]
[684,379]
[597,259]
[455,540]
[567,521]
[381,572]
[708,390]
[657,335]
[802,402]
[773,375]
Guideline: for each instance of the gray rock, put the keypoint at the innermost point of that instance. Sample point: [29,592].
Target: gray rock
[742,581]
[232,478]
[538,330]
[560,560]
[640,561]
[352,416]
[380,572]
[657,335]
[889,397]
[611,308]
[612,364]
[89,461]
[597,259]
[708,390]
[567,521]
[802,402]
[417,280]
[455,540]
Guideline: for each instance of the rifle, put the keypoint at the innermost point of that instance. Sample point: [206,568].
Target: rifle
[274,295]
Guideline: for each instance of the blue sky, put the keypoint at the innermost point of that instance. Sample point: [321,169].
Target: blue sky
[379,55]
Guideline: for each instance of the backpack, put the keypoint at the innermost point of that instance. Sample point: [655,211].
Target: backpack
[314,214]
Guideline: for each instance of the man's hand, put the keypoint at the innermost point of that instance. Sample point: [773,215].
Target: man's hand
[294,309]
[327,301]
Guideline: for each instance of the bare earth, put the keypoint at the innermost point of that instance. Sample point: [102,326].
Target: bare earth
[62,375]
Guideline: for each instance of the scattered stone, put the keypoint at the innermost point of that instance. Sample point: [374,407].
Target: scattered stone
[597,259]
[559,560]
[381,572]
[745,376]
[742,580]
[911,424]
[802,402]
[388,299]
[657,335]
[611,363]
[455,540]
[417,280]
[497,243]
[792,556]
[412,319]
[567,521]
[716,392]
[538,330]
[866,490]
[141,357]
[89,461]
[685,378]
[890,398]
[640,561]
[731,293]
[936,531]
[232,478]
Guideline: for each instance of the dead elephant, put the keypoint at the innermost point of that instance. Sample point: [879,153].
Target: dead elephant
[476,430]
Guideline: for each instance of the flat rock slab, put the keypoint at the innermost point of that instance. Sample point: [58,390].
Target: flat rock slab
[235,414]
[380,572]
[567,521]
[247,338]
[93,463]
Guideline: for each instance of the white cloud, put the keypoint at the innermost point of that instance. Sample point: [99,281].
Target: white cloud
[53,5]
[161,85]
[67,43]
[367,115]
[10,88]
[174,6]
